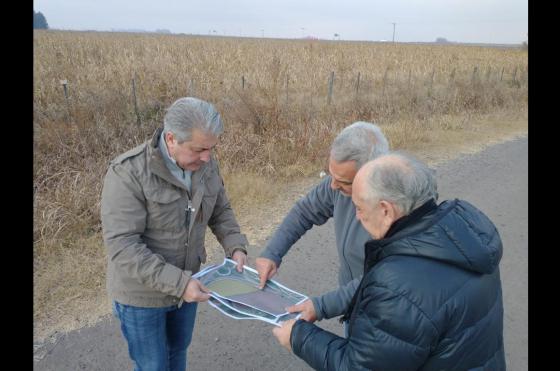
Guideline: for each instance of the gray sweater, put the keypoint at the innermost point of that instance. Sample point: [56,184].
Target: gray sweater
[320,204]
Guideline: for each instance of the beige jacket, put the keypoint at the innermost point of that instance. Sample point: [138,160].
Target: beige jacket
[151,252]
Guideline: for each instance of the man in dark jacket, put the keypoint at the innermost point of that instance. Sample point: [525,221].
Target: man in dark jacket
[430,297]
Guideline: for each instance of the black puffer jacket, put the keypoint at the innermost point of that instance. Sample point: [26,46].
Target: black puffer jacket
[430,299]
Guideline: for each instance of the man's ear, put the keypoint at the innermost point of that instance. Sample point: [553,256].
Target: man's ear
[390,213]
[169,137]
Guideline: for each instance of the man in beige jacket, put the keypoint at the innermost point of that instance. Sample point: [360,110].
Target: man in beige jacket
[157,201]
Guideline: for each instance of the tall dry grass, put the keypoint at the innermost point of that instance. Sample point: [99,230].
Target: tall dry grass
[272,95]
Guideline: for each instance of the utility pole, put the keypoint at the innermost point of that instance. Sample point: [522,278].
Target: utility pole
[394,24]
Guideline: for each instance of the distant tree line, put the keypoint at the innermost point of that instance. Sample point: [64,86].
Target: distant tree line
[39,21]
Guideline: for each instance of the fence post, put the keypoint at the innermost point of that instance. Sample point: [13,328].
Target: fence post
[502,74]
[190,88]
[242,82]
[331,82]
[135,102]
[358,85]
[287,80]
[514,75]
[64,84]
[473,79]
[384,81]
[432,78]
[452,77]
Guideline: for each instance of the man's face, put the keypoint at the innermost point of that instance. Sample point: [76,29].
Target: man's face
[342,176]
[192,154]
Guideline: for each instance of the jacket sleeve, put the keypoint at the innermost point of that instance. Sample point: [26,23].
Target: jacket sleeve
[224,224]
[123,217]
[335,303]
[313,209]
[388,333]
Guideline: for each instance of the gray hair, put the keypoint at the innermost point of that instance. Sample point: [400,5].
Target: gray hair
[402,180]
[360,142]
[186,114]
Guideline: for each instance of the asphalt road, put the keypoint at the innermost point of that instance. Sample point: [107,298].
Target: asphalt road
[495,180]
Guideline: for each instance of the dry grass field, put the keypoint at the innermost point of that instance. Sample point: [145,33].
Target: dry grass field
[434,100]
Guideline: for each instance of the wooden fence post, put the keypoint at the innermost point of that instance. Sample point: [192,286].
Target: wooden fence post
[384,81]
[432,78]
[64,84]
[242,82]
[502,74]
[135,101]
[287,80]
[331,82]
[513,79]
[473,79]
[452,77]
[358,85]
[190,88]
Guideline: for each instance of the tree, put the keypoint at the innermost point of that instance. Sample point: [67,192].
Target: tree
[39,21]
[441,40]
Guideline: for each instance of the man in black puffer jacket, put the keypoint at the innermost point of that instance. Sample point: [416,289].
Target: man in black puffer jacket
[431,296]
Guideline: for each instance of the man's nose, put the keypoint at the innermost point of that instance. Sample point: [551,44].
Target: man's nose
[205,156]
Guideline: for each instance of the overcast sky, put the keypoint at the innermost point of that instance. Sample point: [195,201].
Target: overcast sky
[476,21]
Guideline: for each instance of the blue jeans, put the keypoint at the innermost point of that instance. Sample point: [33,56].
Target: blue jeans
[157,337]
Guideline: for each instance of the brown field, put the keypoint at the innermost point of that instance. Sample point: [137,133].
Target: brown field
[273,96]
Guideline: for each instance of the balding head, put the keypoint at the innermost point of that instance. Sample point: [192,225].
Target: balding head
[394,184]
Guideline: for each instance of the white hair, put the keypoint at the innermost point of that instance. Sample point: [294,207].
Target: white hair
[359,142]
[186,114]
[407,182]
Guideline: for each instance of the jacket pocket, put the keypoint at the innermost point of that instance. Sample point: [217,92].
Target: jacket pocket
[165,210]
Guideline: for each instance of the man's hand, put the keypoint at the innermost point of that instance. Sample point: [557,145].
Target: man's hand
[240,258]
[283,333]
[195,291]
[307,310]
[266,268]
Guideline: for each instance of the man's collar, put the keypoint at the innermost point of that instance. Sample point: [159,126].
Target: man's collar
[165,152]
[411,218]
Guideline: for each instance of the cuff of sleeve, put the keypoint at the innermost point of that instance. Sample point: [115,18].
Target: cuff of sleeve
[235,248]
[266,254]
[183,281]
[318,308]
[296,337]
[232,242]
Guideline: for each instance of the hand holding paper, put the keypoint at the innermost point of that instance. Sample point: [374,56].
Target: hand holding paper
[307,310]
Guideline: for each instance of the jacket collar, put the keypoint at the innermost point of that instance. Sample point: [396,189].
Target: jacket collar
[374,248]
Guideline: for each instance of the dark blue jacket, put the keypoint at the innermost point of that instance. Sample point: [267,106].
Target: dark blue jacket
[430,299]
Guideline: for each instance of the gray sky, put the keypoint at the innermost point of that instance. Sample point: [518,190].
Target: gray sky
[476,21]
